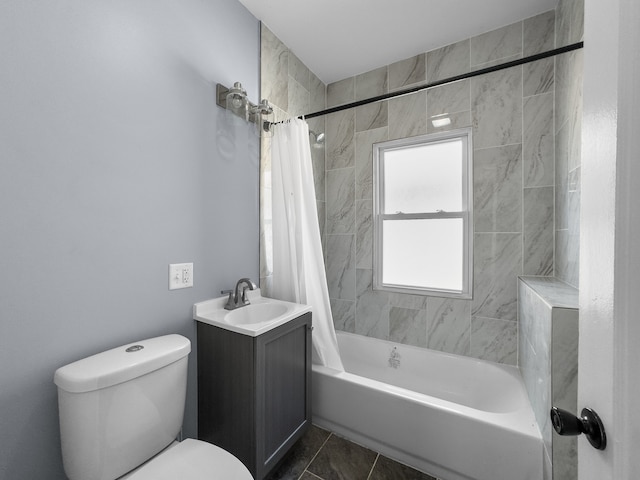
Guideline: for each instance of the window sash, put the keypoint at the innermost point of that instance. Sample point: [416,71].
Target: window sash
[466,215]
[423,216]
[431,150]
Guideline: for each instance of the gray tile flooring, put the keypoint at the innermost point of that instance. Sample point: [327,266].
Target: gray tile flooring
[322,455]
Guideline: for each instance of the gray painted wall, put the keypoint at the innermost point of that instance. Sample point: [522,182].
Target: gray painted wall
[114,162]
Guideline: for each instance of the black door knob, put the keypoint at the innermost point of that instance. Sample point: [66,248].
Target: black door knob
[566,423]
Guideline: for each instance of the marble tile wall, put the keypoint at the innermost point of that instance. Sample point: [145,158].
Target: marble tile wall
[568,125]
[548,346]
[526,131]
[293,90]
[564,387]
[511,113]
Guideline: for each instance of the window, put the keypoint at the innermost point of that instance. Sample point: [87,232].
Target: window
[423,215]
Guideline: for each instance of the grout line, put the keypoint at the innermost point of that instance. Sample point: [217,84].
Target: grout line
[309,473]
[526,97]
[339,168]
[523,250]
[539,186]
[553,136]
[373,466]
[496,146]
[523,135]
[522,36]
[314,457]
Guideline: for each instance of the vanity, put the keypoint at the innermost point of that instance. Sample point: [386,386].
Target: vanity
[254,378]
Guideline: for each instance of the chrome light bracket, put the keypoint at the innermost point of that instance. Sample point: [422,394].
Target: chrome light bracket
[256,112]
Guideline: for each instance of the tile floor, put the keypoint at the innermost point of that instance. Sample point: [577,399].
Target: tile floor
[322,455]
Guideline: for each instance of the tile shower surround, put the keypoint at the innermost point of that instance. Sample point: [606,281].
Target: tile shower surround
[511,113]
[526,209]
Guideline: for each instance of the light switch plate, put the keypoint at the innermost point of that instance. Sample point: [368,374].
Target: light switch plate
[180,275]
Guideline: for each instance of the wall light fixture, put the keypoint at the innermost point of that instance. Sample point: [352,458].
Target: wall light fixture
[235,100]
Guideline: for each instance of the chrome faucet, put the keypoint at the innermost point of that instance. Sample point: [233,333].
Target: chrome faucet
[236,299]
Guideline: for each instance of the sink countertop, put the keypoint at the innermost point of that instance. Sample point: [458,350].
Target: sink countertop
[212,312]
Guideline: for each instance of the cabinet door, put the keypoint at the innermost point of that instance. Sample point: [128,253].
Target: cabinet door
[226,391]
[284,409]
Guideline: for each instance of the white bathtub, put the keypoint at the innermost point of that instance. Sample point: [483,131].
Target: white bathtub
[451,416]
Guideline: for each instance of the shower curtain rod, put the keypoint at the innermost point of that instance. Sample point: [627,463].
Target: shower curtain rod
[457,78]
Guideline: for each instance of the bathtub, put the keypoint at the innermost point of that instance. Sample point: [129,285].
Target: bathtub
[453,417]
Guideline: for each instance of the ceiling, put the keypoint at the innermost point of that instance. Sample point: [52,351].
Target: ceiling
[337,39]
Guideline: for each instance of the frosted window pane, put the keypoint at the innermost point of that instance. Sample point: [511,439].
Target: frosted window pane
[424,178]
[423,253]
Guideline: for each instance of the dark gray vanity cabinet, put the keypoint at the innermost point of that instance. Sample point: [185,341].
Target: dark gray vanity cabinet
[254,393]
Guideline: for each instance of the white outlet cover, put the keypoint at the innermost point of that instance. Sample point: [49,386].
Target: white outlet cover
[180,275]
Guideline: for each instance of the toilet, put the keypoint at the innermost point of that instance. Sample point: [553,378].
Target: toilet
[121,412]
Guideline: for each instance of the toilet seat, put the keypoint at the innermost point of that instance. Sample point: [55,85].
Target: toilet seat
[192,460]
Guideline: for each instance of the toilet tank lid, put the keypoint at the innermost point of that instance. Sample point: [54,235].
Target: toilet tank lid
[121,364]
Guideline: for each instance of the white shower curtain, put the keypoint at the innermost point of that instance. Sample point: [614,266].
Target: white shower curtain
[298,266]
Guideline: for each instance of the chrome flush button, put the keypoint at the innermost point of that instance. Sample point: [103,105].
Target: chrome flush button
[134,348]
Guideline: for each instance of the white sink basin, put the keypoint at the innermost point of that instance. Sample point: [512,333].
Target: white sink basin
[255,313]
[260,316]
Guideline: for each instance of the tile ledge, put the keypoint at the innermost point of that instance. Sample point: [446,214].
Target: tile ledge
[553,291]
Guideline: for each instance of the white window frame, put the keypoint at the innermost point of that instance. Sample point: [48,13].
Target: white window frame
[466,214]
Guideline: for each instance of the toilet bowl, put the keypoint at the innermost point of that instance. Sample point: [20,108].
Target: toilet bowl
[122,410]
[191,460]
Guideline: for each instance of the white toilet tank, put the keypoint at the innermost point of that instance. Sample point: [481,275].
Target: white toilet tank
[121,407]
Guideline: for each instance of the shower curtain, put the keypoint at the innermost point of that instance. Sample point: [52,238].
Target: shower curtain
[298,266]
